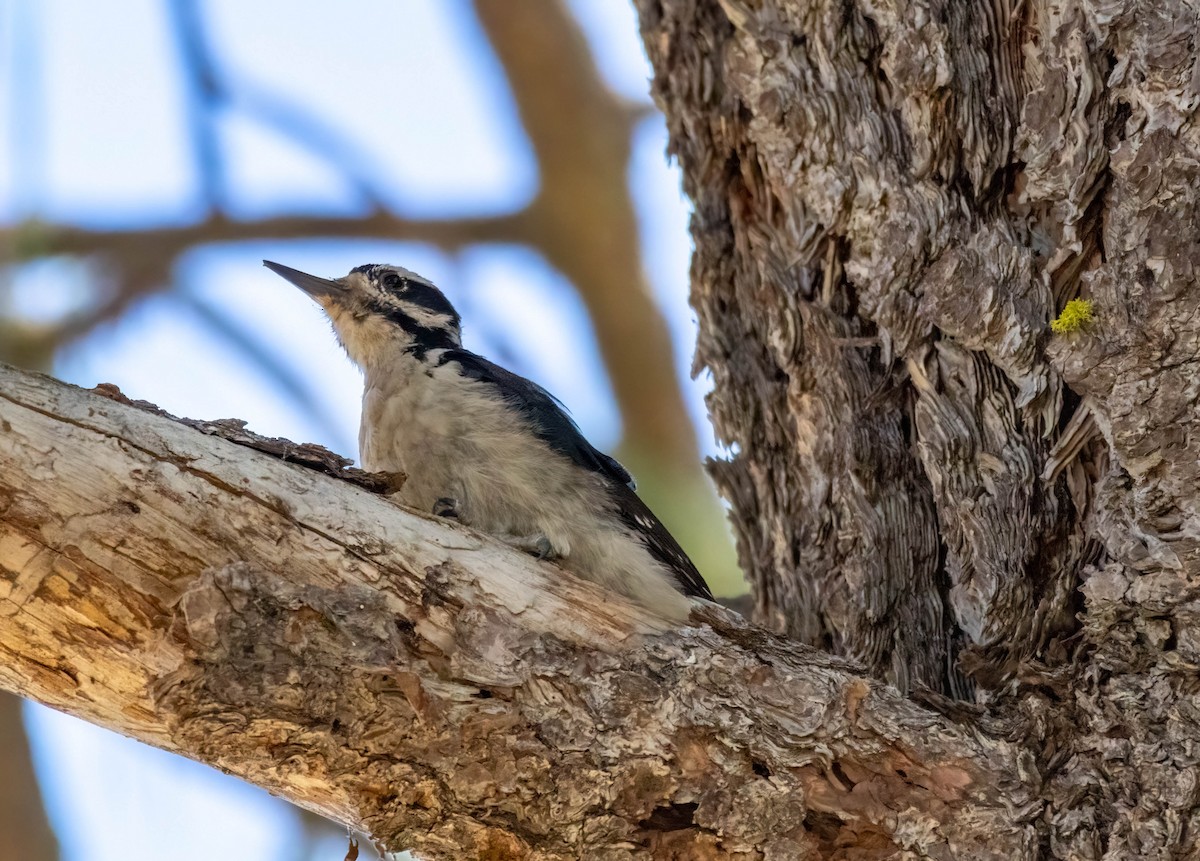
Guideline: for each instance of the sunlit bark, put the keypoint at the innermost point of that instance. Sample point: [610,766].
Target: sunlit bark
[430,685]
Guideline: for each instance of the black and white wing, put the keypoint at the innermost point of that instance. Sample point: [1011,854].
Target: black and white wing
[550,422]
[546,415]
[661,543]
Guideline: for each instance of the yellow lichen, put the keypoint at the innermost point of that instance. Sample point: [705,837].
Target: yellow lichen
[1075,315]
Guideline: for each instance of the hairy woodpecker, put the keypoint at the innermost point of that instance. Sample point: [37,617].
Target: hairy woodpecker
[490,448]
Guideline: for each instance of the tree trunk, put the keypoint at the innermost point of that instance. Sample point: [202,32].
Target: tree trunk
[892,203]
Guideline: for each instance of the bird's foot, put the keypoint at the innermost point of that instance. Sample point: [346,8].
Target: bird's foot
[544,549]
[535,545]
[446,506]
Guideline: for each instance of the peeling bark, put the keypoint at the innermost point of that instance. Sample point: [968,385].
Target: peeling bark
[407,676]
[893,201]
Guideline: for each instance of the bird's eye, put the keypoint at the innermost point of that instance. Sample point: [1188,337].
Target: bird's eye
[391,281]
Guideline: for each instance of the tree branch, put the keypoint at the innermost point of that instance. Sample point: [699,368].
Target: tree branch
[425,683]
[25,830]
[142,260]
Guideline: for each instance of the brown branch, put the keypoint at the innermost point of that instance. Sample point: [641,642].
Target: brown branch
[170,242]
[141,260]
[423,682]
[25,832]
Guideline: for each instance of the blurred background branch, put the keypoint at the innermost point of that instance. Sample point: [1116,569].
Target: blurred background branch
[24,829]
[583,220]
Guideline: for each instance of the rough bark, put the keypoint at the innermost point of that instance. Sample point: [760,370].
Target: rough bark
[893,200]
[405,675]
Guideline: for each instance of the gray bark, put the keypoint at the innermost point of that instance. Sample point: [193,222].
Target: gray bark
[892,202]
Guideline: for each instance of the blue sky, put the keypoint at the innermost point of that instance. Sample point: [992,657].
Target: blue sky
[94,131]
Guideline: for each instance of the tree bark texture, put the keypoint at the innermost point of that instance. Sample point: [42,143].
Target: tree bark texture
[893,199]
[443,692]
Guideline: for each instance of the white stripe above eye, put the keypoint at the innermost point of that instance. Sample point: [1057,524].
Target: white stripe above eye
[419,314]
[423,316]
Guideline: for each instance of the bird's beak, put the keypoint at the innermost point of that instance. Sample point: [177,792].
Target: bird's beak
[315,287]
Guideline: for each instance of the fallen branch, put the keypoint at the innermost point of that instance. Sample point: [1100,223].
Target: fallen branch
[428,685]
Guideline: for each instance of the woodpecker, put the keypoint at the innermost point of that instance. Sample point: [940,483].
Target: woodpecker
[489,448]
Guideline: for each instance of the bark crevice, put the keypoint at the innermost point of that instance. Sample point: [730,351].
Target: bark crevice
[1049,152]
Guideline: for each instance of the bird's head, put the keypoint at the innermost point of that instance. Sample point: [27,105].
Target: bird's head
[380,310]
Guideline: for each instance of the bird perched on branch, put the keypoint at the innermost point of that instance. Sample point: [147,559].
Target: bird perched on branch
[489,448]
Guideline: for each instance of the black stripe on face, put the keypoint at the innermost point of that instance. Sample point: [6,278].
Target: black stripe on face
[428,297]
[425,338]
[417,291]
